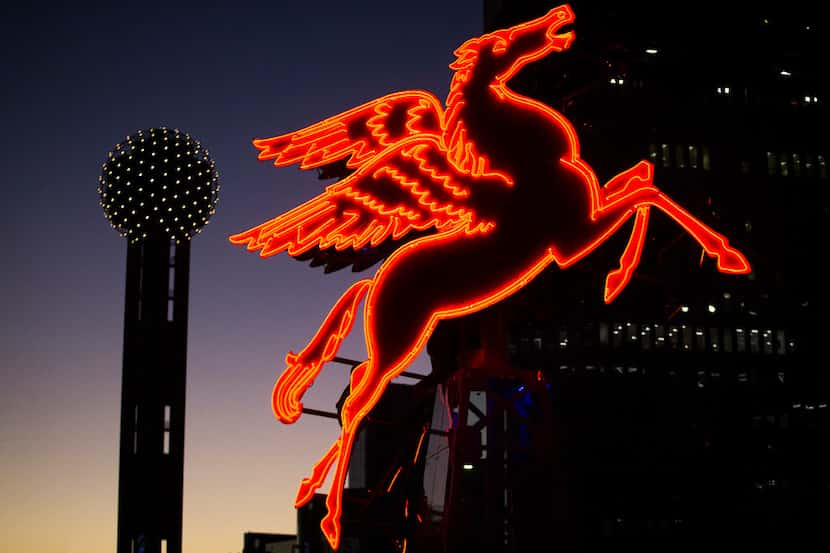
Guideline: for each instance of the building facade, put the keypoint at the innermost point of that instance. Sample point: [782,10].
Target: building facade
[694,407]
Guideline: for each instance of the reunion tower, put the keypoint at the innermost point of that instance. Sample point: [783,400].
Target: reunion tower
[158,189]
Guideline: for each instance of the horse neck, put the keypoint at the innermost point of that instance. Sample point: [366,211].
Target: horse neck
[466,100]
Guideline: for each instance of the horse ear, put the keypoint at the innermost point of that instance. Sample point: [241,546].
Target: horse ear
[466,55]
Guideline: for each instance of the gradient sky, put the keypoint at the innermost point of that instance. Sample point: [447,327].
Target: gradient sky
[77,80]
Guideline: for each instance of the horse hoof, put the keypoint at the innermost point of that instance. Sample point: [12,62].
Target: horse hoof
[305,493]
[614,283]
[731,260]
[331,529]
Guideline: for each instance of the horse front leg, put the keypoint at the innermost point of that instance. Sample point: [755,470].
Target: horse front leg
[318,475]
[630,258]
[642,173]
[728,259]
[641,193]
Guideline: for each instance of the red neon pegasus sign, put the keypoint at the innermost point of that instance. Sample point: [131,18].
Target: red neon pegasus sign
[498,179]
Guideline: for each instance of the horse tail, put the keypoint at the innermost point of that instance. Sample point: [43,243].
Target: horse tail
[301,369]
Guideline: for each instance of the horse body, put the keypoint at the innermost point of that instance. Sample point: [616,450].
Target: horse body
[537,203]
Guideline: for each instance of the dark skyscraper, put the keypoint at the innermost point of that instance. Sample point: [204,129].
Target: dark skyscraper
[158,188]
[693,408]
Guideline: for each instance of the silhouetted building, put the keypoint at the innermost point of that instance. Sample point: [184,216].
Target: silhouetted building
[384,507]
[694,407]
[257,542]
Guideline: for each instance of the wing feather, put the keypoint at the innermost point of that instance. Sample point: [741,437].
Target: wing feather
[409,186]
[357,134]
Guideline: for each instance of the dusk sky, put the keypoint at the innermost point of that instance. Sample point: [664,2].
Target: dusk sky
[78,79]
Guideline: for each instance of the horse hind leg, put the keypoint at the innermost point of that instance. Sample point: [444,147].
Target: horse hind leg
[728,259]
[363,396]
[398,323]
[630,258]
[641,193]
[618,278]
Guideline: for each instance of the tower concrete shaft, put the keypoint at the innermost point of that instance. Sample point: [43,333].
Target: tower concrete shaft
[151,462]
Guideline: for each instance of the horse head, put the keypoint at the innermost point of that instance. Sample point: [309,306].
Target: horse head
[495,57]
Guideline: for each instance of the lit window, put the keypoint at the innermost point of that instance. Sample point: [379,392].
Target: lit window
[706,166]
[652,153]
[796,165]
[135,430]
[727,341]
[809,166]
[632,332]
[680,152]
[686,336]
[754,341]
[700,339]
[822,168]
[768,347]
[674,337]
[772,163]
[659,336]
[693,157]
[603,334]
[714,339]
[166,444]
[645,334]
[666,151]
[784,166]
[781,343]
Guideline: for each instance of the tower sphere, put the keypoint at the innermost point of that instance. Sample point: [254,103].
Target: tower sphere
[158,183]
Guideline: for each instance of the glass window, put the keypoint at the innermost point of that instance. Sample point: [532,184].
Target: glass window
[659,336]
[727,340]
[768,347]
[772,163]
[754,341]
[135,429]
[674,337]
[680,156]
[700,339]
[780,343]
[645,335]
[693,157]
[686,337]
[617,335]
[784,166]
[666,151]
[166,444]
[706,165]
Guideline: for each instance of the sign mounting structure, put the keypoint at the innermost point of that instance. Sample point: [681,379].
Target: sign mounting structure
[499,212]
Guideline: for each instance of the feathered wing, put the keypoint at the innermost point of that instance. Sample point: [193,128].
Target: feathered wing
[409,186]
[357,134]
